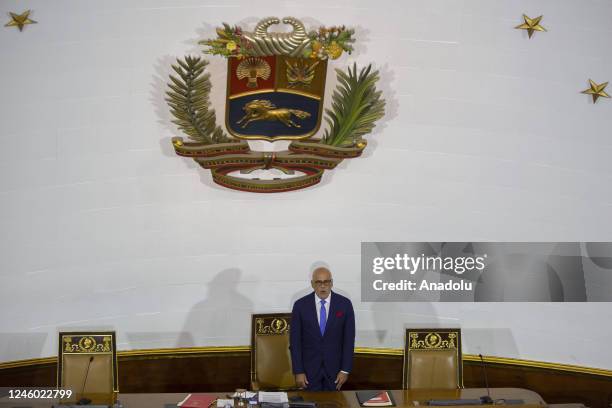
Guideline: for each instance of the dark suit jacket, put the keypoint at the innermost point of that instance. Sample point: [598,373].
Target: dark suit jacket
[334,350]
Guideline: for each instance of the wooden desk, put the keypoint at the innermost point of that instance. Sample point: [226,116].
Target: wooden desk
[343,399]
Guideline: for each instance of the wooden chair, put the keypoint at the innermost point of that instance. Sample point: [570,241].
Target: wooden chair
[270,356]
[433,359]
[87,365]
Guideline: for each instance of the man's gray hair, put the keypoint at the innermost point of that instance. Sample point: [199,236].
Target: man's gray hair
[318,265]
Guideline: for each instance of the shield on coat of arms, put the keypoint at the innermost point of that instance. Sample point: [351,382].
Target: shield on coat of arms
[274,97]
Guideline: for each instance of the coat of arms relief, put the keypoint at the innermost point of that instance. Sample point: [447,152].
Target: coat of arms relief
[275,91]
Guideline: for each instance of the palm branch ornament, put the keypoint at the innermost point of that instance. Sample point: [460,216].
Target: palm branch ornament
[275,91]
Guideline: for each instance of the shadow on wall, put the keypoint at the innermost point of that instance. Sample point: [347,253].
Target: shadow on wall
[223,317]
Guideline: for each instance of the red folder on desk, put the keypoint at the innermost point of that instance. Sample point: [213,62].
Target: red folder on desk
[374,399]
[197,401]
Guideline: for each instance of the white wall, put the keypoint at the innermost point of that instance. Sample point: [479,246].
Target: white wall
[486,138]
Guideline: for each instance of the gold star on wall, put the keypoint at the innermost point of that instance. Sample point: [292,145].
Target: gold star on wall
[20,20]
[531,25]
[596,90]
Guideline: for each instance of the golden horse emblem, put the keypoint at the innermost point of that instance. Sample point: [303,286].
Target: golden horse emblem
[262,109]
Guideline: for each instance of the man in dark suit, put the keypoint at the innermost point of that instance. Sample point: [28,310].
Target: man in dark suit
[322,336]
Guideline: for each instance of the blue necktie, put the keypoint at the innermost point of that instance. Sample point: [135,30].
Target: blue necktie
[322,318]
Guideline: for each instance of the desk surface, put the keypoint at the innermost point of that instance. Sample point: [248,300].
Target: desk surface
[403,398]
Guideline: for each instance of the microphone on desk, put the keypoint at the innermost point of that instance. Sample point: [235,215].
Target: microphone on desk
[485,399]
[83,400]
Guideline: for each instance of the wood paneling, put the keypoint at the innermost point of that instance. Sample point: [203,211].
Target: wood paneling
[213,372]
[375,372]
[554,386]
[228,371]
[38,375]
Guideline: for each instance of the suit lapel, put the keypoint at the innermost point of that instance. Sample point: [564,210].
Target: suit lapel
[314,316]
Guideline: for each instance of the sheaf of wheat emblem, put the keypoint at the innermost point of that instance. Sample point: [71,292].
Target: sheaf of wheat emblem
[275,91]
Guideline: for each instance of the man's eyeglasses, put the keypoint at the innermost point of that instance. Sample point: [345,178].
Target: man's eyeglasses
[326,282]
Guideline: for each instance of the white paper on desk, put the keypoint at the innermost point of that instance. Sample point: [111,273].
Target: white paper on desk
[246,394]
[273,397]
[223,402]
